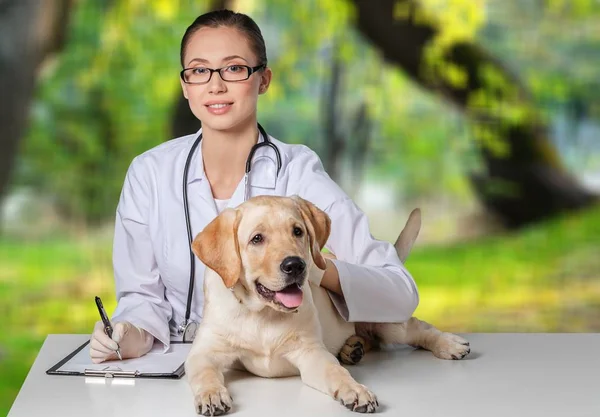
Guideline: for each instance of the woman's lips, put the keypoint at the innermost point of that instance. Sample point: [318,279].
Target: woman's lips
[219,108]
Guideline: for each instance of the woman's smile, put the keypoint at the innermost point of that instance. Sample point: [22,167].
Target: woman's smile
[218,108]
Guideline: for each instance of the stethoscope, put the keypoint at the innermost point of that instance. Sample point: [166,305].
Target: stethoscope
[189,327]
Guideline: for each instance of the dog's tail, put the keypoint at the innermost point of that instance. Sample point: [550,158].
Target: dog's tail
[408,235]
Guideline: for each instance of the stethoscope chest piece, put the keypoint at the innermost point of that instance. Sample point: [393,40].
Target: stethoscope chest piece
[189,332]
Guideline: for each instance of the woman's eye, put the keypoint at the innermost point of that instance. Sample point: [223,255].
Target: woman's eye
[298,232]
[234,68]
[199,70]
[257,239]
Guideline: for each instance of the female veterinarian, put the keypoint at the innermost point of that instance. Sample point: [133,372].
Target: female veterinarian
[175,189]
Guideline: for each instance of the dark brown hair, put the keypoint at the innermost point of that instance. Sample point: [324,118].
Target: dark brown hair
[228,18]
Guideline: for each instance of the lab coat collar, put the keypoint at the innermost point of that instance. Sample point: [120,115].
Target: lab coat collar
[263,170]
[196,172]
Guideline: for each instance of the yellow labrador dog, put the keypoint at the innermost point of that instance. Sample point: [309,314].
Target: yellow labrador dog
[263,314]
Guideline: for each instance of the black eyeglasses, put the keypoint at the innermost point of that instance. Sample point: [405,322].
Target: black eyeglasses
[202,75]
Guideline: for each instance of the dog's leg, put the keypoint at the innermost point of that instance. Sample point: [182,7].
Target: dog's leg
[358,345]
[204,369]
[320,370]
[418,333]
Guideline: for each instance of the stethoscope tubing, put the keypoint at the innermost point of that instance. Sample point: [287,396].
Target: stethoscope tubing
[186,207]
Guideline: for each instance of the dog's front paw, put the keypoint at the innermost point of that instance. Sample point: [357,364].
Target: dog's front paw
[451,346]
[356,397]
[213,402]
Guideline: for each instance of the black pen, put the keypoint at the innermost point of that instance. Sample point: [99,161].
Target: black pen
[107,326]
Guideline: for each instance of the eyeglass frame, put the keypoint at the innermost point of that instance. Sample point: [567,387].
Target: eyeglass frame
[251,70]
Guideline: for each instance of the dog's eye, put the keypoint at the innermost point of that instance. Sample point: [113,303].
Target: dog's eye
[298,232]
[257,239]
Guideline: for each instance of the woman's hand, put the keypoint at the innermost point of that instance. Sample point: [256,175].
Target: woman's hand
[132,341]
[327,278]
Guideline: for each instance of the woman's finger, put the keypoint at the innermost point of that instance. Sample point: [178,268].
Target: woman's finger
[96,345]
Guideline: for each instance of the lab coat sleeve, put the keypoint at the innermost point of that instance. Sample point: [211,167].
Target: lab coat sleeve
[139,288]
[375,284]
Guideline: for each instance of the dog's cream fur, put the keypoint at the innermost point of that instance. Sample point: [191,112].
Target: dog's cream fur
[243,329]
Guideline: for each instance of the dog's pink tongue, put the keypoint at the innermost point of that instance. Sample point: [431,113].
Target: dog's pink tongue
[291,297]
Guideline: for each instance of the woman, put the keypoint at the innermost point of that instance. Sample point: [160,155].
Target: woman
[367,281]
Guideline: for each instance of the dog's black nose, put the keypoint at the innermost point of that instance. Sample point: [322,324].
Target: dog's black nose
[293,266]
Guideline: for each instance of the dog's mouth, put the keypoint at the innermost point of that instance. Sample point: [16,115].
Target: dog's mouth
[289,297]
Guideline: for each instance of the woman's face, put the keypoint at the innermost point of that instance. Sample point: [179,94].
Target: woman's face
[222,105]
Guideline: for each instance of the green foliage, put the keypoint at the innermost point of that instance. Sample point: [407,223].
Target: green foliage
[557,58]
[110,94]
[107,98]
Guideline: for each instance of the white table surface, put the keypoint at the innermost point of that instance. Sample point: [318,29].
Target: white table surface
[505,375]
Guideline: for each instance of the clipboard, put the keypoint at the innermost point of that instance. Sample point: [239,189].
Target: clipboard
[155,364]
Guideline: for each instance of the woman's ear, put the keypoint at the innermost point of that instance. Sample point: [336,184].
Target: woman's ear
[265,80]
[184,88]
[217,246]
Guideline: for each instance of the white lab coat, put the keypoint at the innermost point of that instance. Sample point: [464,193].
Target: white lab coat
[151,254]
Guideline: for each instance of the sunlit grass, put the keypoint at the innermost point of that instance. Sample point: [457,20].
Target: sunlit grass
[543,279]
[47,287]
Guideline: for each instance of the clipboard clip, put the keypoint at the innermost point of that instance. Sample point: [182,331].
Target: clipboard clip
[107,372]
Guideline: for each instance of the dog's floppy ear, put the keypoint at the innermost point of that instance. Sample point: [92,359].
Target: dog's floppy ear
[318,224]
[217,246]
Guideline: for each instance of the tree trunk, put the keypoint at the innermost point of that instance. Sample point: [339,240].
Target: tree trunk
[334,145]
[525,181]
[361,134]
[30,31]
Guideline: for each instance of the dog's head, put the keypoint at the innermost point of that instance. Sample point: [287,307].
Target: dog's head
[266,246]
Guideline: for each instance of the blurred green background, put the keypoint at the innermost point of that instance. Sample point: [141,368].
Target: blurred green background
[483,113]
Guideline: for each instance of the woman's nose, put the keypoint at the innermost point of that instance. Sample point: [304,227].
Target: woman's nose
[216,84]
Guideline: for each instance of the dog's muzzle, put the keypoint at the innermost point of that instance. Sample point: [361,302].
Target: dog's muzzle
[290,296]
